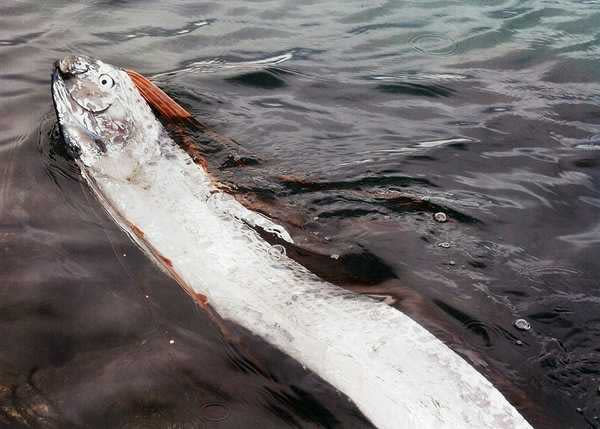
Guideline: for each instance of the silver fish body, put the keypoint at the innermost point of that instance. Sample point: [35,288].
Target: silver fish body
[397,373]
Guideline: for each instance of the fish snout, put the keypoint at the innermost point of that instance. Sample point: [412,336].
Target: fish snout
[72,65]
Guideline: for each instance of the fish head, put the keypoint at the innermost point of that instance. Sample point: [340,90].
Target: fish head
[99,109]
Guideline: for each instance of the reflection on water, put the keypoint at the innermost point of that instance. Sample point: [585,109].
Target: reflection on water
[367,120]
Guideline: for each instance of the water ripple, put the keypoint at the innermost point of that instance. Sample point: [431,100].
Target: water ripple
[21,40]
[434,44]
[217,65]
[149,31]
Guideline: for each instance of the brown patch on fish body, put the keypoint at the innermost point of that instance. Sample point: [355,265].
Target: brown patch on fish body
[137,231]
[166,261]
[201,298]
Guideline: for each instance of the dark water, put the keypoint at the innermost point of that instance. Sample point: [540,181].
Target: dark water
[382,114]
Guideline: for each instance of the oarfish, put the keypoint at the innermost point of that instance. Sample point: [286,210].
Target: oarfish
[396,372]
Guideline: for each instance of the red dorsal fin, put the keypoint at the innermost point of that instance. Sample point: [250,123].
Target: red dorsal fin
[164,105]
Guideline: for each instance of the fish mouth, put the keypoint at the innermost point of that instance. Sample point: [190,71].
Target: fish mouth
[63,102]
[72,65]
[61,107]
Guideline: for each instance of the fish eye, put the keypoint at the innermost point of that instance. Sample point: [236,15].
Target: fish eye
[106,81]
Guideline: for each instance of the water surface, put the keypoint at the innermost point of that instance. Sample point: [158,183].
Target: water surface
[367,118]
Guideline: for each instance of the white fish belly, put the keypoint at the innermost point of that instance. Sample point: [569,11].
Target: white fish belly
[397,373]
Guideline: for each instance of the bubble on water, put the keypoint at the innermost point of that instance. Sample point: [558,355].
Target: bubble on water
[522,324]
[277,251]
[440,217]
[434,44]
[214,412]
[445,245]
[335,256]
